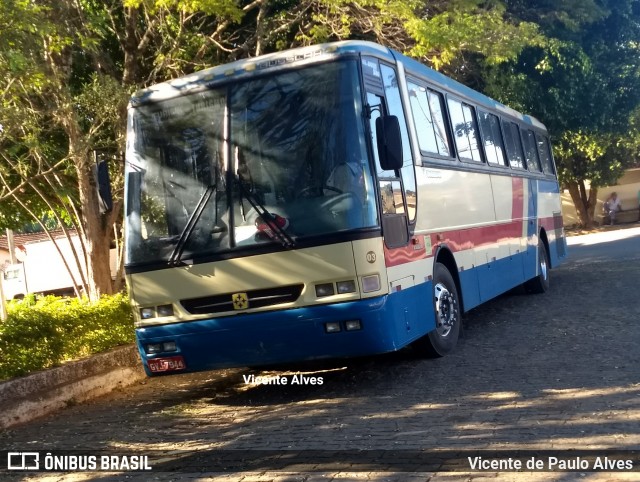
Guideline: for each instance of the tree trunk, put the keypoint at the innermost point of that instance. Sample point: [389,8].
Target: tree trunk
[584,202]
[96,230]
[593,200]
[130,47]
[97,235]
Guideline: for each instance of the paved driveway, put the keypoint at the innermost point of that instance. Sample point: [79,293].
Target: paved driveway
[533,377]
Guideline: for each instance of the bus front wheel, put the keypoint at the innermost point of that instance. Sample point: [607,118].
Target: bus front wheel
[446,305]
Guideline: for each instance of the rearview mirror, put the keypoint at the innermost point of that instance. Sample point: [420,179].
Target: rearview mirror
[389,143]
[104,187]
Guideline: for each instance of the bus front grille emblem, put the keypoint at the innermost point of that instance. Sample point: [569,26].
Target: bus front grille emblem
[240,301]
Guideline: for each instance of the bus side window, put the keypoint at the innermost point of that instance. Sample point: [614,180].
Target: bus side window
[513,144]
[465,130]
[492,138]
[545,154]
[427,108]
[531,151]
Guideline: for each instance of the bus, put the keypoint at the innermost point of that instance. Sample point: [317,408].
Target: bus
[330,201]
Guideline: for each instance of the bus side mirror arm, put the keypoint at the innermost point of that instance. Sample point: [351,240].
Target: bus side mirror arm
[389,143]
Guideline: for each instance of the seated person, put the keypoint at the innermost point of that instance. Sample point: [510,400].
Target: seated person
[611,206]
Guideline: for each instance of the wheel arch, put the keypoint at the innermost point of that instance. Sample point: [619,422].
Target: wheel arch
[545,241]
[445,256]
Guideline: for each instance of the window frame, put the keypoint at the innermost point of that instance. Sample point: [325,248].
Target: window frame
[504,122]
[445,124]
[524,132]
[474,119]
[505,160]
[549,151]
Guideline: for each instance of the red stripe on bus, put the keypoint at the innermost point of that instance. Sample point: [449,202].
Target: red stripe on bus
[414,251]
[461,240]
[517,196]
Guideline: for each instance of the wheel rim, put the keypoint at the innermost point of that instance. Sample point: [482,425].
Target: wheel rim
[543,266]
[446,310]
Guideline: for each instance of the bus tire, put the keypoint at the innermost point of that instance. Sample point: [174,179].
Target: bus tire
[540,284]
[446,306]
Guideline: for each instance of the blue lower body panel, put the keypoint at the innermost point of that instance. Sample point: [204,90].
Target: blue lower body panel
[387,324]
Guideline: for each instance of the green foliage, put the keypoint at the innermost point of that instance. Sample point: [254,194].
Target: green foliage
[221,8]
[440,33]
[470,27]
[48,331]
[583,82]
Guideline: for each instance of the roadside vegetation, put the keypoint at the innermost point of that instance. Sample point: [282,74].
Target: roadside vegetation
[48,331]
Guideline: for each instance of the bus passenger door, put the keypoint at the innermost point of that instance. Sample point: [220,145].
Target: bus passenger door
[392,200]
[397,187]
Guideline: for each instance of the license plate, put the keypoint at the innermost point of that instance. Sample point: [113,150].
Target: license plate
[168,364]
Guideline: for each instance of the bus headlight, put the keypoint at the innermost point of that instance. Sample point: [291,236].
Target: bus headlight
[332,327]
[156,311]
[153,348]
[165,310]
[346,287]
[325,289]
[352,325]
[167,346]
[147,313]
[371,283]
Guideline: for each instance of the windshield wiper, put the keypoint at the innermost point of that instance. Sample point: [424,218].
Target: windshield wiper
[279,233]
[176,254]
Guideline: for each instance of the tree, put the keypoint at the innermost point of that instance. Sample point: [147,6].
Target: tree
[51,126]
[445,34]
[583,82]
[68,67]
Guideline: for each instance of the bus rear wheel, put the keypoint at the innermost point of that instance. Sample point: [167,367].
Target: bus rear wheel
[446,305]
[540,284]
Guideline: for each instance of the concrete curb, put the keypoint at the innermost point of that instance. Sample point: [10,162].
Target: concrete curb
[24,399]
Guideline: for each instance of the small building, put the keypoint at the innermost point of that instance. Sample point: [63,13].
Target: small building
[39,267]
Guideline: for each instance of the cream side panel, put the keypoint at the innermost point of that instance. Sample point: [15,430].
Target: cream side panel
[466,259]
[503,196]
[309,266]
[548,203]
[450,199]
[419,271]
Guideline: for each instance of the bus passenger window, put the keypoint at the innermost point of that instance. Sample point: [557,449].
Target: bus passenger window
[436,102]
[531,151]
[464,130]
[427,111]
[513,145]
[492,138]
[545,155]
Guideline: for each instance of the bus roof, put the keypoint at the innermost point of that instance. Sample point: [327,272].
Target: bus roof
[247,67]
[240,69]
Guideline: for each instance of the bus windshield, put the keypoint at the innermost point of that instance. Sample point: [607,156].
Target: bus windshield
[274,158]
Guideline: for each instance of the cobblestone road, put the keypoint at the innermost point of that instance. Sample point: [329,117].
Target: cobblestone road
[533,372]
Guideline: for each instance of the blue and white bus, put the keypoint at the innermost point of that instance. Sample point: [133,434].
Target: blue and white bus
[329,201]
